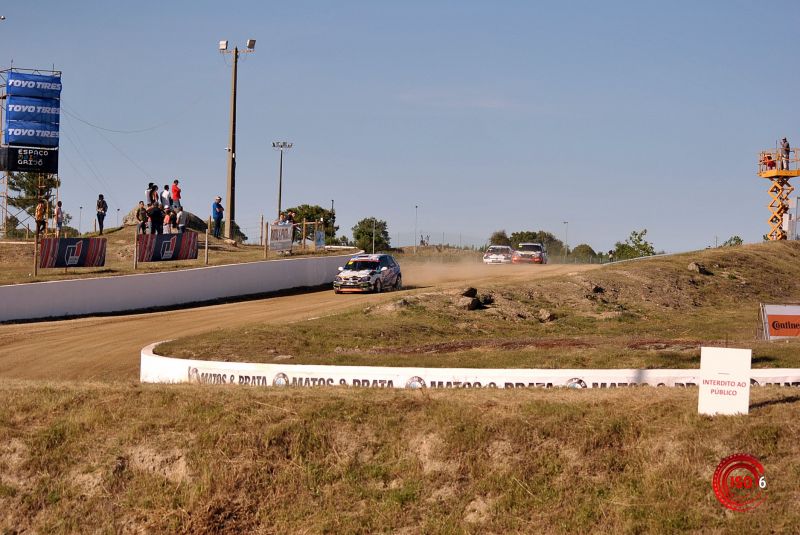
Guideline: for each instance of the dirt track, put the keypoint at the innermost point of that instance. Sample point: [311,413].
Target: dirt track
[107,348]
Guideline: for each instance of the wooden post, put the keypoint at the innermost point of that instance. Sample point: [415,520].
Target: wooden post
[303,236]
[207,229]
[261,238]
[266,240]
[36,255]
[136,249]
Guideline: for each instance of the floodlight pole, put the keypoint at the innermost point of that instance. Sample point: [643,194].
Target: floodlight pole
[280,146]
[566,240]
[230,199]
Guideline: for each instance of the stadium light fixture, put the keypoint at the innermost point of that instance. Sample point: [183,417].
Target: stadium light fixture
[251,44]
[223,45]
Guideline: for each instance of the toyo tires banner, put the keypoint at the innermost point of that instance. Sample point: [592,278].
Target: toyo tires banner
[72,252]
[164,247]
[32,109]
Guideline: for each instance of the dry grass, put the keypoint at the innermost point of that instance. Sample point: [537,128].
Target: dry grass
[647,314]
[130,458]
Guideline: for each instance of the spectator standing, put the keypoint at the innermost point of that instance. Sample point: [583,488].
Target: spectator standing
[157,219]
[168,220]
[176,194]
[102,208]
[166,197]
[785,151]
[216,214]
[610,255]
[59,217]
[148,193]
[181,218]
[141,217]
[40,215]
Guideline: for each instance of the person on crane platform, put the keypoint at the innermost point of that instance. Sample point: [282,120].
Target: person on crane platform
[785,150]
[767,161]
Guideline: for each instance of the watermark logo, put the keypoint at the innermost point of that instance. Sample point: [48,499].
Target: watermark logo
[739,482]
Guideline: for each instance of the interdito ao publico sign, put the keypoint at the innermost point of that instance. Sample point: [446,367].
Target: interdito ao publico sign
[780,321]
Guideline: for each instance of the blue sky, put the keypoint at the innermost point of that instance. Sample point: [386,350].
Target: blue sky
[614,116]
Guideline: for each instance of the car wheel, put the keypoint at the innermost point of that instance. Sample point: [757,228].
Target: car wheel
[378,287]
[398,283]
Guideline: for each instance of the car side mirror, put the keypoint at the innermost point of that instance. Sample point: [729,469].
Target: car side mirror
[384,268]
[341,268]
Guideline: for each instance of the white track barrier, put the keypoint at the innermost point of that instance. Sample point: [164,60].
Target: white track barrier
[160,369]
[77,297]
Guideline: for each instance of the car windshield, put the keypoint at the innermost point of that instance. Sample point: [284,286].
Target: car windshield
[533,248]
[497,250]
[361,265]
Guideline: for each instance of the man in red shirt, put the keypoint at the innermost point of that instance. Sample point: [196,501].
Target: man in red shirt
[176,194]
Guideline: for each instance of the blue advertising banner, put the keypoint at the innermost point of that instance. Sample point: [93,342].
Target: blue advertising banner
[31,133]
[37,110]
[72,252]
[33,85]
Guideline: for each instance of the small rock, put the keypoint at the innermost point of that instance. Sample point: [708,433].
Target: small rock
[545,315]
[698,268]
[469,303]
[283,357]
[232,243]
[470,292]
[598,289]
[487,299]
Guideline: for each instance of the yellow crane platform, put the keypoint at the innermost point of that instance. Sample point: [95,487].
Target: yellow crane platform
[778,168]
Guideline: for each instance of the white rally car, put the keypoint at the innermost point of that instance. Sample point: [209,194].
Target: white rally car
[498,254]
[369,273]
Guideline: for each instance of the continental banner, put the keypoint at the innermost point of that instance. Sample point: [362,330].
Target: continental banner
[280,237]
[72,252]
[164,247]
[780,321]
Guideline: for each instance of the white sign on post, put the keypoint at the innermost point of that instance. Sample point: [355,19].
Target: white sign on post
[724,381]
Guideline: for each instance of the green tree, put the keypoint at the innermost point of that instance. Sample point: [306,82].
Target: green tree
[553,245]
[26,190]
[499,237]
[583,252]
[316,213]
[733,241]
[634,246]
[365,229]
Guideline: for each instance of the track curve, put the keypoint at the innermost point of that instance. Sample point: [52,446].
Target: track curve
[107,348]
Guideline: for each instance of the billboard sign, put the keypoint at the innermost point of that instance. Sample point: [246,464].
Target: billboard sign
[780,321]
[32,109]
[72,252]
[36,160]
[33,85]
[31,133]
[166,247]
[36,110]
[280,237]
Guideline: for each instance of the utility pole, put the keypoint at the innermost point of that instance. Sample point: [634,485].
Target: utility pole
[566,240]
[415,228]
[230,199]
[282,146]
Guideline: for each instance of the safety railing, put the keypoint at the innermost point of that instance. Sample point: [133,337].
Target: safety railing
[776,160]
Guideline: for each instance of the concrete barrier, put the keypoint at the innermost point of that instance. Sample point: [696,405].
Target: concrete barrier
[160,369]
[56,299]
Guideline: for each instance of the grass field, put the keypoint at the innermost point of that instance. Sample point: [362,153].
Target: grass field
[130,458]
[650,314]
